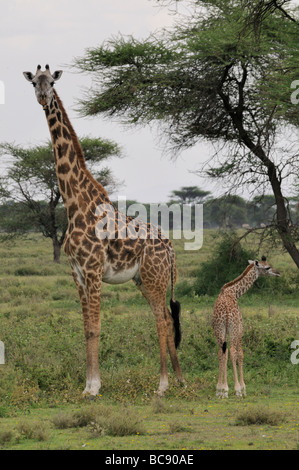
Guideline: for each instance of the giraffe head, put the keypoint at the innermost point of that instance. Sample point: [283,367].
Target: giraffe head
[43,83]
[263,268]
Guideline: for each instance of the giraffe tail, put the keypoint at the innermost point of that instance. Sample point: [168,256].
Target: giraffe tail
[175,306]
[175,313]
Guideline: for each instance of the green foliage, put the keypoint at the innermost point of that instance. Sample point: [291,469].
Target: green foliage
[30,192]
[177,76]
[209,78]
[228,261]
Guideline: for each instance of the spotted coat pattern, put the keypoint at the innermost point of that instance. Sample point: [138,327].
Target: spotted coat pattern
[150,262]
[227,322]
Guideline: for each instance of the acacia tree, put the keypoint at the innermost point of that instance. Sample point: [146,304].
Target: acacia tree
[207,79]
[29,192]
[189,195]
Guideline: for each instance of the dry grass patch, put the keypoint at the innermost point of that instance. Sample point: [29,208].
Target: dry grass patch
[101,421]
[35,430]
[260,415]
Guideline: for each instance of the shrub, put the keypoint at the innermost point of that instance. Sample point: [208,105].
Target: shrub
[229,259]
[84,416]
[26,271]
[124,425]
[6,437]
[35,430]
[101,421]
[178,426]
[63,420]
[260,415]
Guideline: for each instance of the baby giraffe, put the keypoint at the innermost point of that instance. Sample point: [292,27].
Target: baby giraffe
[227,321]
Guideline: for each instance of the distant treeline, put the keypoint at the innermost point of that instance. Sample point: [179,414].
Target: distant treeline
[225,212]
[230,211]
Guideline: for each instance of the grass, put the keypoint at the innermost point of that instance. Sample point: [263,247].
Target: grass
[41,404]
[193,425]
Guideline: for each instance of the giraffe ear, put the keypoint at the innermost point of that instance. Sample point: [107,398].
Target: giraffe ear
[250,261]
[29,76]
[56,75]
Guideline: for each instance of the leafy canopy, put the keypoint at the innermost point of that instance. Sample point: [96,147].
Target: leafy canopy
[180,76]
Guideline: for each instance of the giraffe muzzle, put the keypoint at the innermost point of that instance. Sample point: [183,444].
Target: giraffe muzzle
[43,102]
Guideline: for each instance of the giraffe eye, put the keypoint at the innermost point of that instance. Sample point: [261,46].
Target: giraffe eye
[52,83]
[34,84]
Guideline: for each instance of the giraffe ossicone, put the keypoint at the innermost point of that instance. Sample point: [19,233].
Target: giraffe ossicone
[149,262]
[227,322]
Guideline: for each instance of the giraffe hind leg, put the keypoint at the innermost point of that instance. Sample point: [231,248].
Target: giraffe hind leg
[220,333]
[168,333]
[222,387]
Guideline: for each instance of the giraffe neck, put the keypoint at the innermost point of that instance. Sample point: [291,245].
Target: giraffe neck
[242,284]
[76,185]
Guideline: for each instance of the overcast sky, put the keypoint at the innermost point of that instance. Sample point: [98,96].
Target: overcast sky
[39,32]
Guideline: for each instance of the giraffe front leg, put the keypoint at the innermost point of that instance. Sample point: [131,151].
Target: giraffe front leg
[93,381]
[92,328]
[234,356]
[90,294]
[240,362]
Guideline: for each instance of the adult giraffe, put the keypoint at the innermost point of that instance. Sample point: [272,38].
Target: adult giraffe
[120,251]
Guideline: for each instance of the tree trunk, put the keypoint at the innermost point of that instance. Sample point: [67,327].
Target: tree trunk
[56,250]
[282,219]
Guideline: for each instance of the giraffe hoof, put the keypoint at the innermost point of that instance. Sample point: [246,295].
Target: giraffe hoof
[222,393]
[89,397]
[181,382]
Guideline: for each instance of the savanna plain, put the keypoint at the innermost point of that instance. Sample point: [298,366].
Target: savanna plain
[41,382]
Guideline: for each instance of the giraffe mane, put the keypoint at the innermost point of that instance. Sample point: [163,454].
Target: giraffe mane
[235,281]
[77,145]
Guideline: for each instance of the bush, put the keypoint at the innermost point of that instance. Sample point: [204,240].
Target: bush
[6,437]
[35,430]
[260,415]
[227,262]
[101,420]
[125,425]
